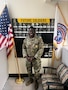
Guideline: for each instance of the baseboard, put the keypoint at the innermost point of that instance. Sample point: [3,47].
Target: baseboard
[17,75]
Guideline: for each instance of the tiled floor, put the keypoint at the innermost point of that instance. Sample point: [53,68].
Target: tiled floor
[12,85]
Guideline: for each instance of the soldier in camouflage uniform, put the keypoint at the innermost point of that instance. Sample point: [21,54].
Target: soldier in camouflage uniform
[33,48]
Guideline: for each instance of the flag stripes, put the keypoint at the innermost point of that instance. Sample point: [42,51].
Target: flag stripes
[6,34]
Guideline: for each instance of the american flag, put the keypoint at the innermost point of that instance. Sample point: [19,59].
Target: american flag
[6,35]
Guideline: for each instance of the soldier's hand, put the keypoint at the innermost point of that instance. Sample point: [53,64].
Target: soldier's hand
[32,58]
[28,58]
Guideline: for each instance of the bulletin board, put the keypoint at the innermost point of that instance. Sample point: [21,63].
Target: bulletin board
[44,27]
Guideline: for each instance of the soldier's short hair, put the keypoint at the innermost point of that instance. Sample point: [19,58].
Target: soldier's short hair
[32,27]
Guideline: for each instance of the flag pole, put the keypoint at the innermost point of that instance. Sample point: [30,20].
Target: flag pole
[62,15]
[19,80]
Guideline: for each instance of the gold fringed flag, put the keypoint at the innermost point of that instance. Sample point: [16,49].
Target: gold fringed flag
[59,33]
[6,35]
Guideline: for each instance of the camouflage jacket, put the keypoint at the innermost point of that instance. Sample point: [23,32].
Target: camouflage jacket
[33,47]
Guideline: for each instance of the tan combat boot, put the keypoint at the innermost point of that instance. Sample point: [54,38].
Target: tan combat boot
[29,82]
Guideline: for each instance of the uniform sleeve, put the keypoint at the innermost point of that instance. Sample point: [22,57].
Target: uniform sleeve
[41,49]
[24,48]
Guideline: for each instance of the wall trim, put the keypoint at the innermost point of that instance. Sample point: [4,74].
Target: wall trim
[22,75]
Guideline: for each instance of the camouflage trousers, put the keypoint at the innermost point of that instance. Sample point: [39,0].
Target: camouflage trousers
[36,64]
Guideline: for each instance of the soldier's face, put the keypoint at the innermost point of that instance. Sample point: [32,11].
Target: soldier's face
[31,33]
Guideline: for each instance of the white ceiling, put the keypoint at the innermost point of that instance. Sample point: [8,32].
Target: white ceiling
[55,0]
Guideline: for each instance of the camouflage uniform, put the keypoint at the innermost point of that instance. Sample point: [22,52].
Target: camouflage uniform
[33,47]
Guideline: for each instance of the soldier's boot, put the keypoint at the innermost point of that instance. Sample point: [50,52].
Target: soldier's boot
[30,81]
[36,84]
